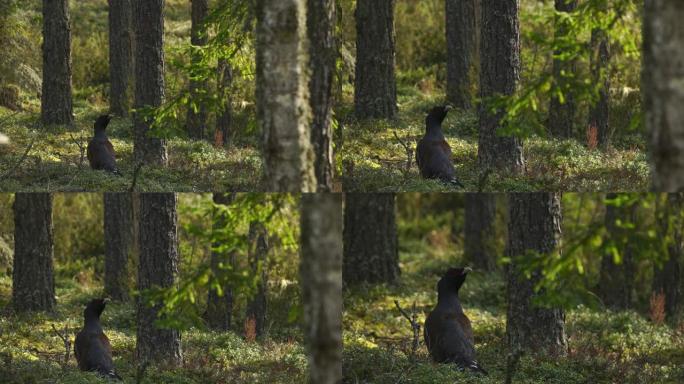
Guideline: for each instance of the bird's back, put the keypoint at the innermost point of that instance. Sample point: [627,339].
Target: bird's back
[94,352]
[433,157]
[448,336]
[101,154]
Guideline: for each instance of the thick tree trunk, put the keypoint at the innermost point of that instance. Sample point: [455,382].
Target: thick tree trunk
[33,284]
[462,52]
[480,235]
[282,94]
[534,226]
[370,239]
[562,112]
[220,307]
[148,18]
[257,307]
[118,232]
[197,113]
[158,267]
[616,280]
[375,88]
[321,23]
[321,277]
[499,75]
[224,119]
[55,103]
[667,279]
[600,62]
[663,87]
[120,55]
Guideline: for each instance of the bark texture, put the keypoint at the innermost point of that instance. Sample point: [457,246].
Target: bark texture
[667,279]
[33,283]
[562,112]
[197,113]
[220,307]
[534,226]
[118,233]
[462,52]
[55,102]
[120,56]
[321,276]
[499,75]
[148,18]
[282,94]
[321,23]
[158,267]
[663,87]
[371,252]
[600,65]
[224,119]
[375,87]
[257,306]
[480,235]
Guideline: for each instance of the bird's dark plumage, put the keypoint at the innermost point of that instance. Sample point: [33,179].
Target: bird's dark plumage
[92,348]
[448,333]
[433,154]
[101,153]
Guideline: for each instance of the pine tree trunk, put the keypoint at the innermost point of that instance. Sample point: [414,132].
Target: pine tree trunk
[499,75]
[118,232]
[663,87]
[256,308]
[158,267]
[461,37]
[562,112]
[220,308]
[534,226]
[667,279]
[282,96]
[148,18]
[33,284]
[197,117]
[480,235]
[370,239]
[321,23]
[600,62]
[120,56]
[375,88]
[55,103]
[321,277]
[224,119]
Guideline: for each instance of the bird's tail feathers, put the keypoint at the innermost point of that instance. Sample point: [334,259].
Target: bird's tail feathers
[455,182]
[472,365]
[111,375]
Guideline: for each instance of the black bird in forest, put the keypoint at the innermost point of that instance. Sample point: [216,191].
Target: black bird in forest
[448,333]
[433,154]
[101,153]
[92,348]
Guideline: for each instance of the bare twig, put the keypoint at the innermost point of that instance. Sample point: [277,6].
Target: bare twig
[136,172]
[21,160]
[81,148]
[67,344]
[415,326]
[409,153]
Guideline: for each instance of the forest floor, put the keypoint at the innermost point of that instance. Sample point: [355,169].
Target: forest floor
[375,159]
[31,351]
[605,346]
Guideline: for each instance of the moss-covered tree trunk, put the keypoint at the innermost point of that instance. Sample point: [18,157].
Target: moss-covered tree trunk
[257,306]
[118,233]
[562,111]
[499,75]
[462,52]
[370,239]
[600,65]
[282,95]
[197,113]
[375,87]
[667,279]
[148,19]
[220,307]
[480,234]
[224,118]
[33,283]
[321,23]
[321,277]
[56,103]
[158,267]
[120,56]
[663,88]
[534,226]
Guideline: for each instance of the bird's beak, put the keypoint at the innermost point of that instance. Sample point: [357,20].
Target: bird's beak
[106,300]
[448,107]
[467,270]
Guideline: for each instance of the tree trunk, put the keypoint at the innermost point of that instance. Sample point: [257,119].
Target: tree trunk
[562,112]
[256,308]
[148,18]
[158,267]
[220,307]
[370,239]
[461,37]
[118,232]
[33,284]
[224,119]
[534,226]
[56,104]
[600,62]
[120,56]
[321,278]
[321,23]
[616,280]
[499,75]
[663,87]
[283,96]
[480,235]
[375,88]
[197,113]
[667,279]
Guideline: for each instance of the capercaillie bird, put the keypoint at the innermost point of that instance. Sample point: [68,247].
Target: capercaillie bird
[433,154]
[92,348]
[100,150]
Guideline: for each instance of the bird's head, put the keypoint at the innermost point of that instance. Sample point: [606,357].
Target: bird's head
[102,122]
[436,115]
[94,308]
[452,280]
